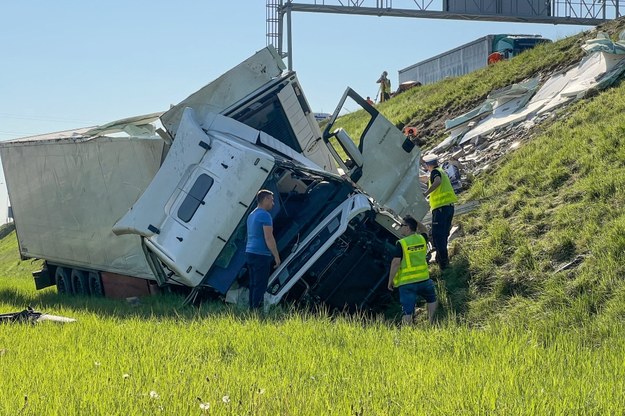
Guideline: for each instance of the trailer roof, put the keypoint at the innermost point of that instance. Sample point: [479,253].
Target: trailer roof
[89,132]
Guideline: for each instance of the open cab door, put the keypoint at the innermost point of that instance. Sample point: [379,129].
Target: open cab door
[381,161]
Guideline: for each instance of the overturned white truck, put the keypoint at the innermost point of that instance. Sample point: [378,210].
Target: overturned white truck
[121,209]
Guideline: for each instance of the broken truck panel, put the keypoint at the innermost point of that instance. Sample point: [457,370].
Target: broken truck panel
[196,199]
[284,113]
[31,316]
[230,88]
[259,94]
[384,164]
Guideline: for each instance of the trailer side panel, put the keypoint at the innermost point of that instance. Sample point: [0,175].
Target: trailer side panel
[67,194]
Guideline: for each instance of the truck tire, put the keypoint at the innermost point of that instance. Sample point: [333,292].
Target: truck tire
[80,282]
[63,281]
[95,284]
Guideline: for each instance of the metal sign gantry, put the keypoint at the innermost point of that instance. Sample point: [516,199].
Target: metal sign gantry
[561,12]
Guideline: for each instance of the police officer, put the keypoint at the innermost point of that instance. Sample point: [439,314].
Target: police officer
[409,271]
[442,199]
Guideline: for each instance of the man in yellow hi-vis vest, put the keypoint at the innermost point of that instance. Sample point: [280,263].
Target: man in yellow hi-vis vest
[409,270]
[385,87]
[442,199]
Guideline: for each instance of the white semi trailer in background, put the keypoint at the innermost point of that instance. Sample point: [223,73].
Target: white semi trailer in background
[176,189]
[469,57]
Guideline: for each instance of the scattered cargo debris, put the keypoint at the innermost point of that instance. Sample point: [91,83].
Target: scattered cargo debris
[481,136]
[571,264]
[30,316]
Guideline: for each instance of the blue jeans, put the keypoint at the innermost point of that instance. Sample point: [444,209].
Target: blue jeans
[408,295]
[441,225]
[259,269]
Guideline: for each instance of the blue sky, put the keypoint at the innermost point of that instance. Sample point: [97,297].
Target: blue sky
[73,63]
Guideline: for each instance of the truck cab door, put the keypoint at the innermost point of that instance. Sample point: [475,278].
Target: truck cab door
[194,203]
[381,160]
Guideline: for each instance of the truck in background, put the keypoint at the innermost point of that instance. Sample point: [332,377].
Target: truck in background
[184,182]
[469,57]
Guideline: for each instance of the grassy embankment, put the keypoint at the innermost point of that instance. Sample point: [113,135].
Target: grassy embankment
[516,337]
[557,199]
[158,358]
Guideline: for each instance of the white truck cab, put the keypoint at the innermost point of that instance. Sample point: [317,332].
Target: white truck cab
[334,240]
[261,94]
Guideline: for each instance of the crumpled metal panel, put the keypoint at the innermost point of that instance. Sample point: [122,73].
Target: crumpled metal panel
[229,88]
[604,64]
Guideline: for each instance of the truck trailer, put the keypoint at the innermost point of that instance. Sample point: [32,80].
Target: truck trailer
[160,201]
[469,57]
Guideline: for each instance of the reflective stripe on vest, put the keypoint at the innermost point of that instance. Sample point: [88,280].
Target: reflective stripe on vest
[414,266]
[444,194]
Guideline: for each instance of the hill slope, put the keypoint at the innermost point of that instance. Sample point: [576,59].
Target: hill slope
[547,245]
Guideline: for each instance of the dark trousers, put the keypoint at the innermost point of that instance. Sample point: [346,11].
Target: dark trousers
[259,268]
[441,225]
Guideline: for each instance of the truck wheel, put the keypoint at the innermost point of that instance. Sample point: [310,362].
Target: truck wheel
[95,284]
[63,282]
[80,283]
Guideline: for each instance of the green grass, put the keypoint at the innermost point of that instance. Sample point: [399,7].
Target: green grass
[559,197]
[514,335]
[161,358]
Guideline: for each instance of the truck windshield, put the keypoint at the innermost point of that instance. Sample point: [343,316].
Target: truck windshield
[515,45]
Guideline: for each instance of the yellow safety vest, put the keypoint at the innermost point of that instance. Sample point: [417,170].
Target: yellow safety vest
[444,194]
[386,85]
[414,266]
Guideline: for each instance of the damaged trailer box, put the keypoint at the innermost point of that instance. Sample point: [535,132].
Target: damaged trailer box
[65,209]
[67,189]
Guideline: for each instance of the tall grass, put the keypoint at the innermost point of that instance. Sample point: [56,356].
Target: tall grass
[159,358]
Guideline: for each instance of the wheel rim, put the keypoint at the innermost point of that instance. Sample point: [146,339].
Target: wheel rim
[63,282]
[95,284]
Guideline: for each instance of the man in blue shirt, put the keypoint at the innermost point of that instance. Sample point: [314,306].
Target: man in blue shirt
[261,247]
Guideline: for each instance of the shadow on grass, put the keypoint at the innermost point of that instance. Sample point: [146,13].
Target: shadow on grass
[171,306]
[162,306]
[454,281]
